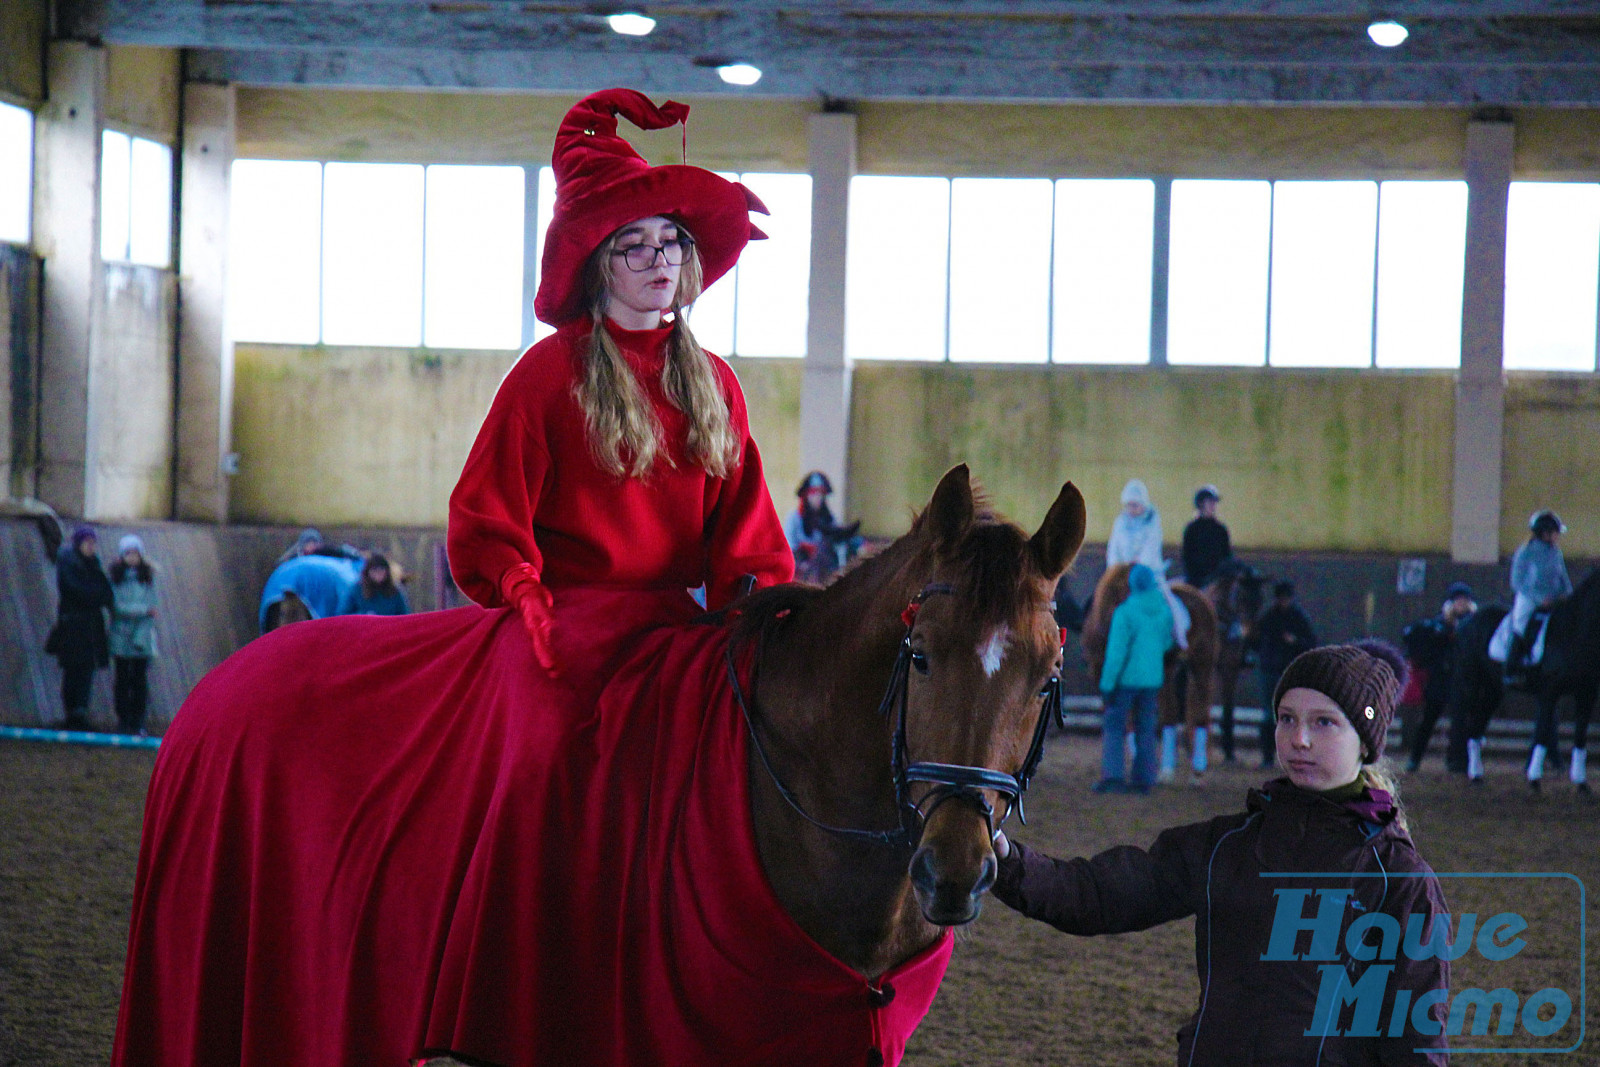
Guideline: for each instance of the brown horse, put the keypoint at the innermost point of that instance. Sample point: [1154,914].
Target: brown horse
[979,657]
[948,632]
[1236,596]
[1185,697]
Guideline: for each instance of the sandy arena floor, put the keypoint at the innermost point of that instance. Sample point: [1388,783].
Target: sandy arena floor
[1017,992]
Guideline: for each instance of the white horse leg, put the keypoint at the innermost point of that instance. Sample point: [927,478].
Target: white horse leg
[1474,759]
[1169,754]
[1536,763]
[1580,766]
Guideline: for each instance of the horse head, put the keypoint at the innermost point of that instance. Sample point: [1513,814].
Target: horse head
[983,652]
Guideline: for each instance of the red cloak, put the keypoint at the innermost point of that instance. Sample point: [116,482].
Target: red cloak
[372,839]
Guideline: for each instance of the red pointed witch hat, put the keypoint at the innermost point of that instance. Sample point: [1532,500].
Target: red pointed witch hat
[602,185]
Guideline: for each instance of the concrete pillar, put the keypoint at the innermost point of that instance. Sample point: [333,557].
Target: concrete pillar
[1480,387]
[1160,271]
[66,233]
[205,348]
[825,384]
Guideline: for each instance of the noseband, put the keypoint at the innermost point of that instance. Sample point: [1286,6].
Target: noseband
[949,780]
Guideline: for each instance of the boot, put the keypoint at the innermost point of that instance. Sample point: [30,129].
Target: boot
[1536,767]
[78,719]
[1474,760]
[1580,769]
[1169,754]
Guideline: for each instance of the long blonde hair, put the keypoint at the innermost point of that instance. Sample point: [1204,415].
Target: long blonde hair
[1379,776]
[624,433]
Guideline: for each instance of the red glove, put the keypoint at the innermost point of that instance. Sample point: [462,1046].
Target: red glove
[522,589]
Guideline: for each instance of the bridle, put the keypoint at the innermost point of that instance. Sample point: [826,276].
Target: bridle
[949,780]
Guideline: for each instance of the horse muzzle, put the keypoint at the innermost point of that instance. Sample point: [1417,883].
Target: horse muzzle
[949,901]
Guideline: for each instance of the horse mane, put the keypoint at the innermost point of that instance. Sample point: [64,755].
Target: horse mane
[989,562]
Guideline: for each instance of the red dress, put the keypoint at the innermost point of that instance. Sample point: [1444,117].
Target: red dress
[372,839]
[532,492]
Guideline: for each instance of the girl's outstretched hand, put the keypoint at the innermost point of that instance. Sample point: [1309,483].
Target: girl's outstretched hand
[522,589]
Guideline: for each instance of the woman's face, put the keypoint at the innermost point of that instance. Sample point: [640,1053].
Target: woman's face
[1317,747]
[1133,509]
[88,547]
[814,499]
[636,298]
[377,574]
[131,557]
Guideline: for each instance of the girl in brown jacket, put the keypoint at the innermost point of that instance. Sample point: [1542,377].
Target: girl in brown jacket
[1318,862]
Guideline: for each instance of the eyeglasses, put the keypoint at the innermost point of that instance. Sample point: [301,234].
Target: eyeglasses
[641,257]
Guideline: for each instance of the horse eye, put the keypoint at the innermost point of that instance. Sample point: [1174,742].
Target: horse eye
[919,660]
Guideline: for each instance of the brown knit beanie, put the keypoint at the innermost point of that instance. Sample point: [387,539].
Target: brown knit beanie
[1364,679]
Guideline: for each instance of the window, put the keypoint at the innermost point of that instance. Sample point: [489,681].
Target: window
[135,200]
[1103,239]
[1422,239]
[372,229]
[773,278]
[376,254]
[16,174]
[1000,245]
[1324,238]
[897,267]
[1552,275]
[547,211]
[1217,270]
[473,262]
[275,251]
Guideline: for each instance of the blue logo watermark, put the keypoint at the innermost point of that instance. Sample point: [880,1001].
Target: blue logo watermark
[1370,961]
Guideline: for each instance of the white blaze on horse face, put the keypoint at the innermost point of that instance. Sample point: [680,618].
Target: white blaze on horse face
[992,652]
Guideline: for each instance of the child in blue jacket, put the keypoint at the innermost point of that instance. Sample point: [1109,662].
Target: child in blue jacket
[1141,634]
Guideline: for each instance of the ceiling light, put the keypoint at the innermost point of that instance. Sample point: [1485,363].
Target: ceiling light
[739,73]
[1388,34]
[631,23]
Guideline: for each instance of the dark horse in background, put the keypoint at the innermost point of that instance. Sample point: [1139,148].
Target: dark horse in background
[1570,667]
[1236,595]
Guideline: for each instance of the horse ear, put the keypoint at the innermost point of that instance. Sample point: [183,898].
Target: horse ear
[1056,544]
[950,511]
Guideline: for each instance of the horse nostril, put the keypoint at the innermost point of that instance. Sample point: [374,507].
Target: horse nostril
[986,877]
[922,875]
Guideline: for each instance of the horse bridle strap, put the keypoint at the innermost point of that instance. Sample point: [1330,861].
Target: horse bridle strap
[949,780]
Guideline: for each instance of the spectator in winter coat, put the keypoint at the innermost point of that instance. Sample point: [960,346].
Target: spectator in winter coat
[377,593]
[78,640]
[1539,579]
[1205,539]
[1282,633]
[1136,538]
[133,633]
[1135,666]
[1430,649]
[1262,983]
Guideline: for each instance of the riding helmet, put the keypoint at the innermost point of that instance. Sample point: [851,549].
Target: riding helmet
[1207,492]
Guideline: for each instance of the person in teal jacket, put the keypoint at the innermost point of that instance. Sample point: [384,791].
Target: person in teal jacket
[1141,634]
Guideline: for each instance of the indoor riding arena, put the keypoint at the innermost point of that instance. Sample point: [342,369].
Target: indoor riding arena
[1302,297]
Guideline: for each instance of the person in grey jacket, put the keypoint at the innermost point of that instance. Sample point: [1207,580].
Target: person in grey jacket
[133,633]
[1539,579]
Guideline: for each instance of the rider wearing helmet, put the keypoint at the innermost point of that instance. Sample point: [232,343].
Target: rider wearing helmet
[1205,539]
[1539,579]
[813,533]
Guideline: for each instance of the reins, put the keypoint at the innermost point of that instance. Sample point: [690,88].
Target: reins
[949,780]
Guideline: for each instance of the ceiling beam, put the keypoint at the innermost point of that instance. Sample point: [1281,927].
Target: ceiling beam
[1285,51]
[916,79]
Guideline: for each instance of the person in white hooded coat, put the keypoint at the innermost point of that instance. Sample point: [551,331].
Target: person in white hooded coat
[1136,538]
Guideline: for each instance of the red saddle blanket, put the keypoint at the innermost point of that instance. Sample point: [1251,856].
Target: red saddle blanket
[369,839]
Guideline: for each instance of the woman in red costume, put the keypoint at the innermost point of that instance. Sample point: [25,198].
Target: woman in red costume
[615,470]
